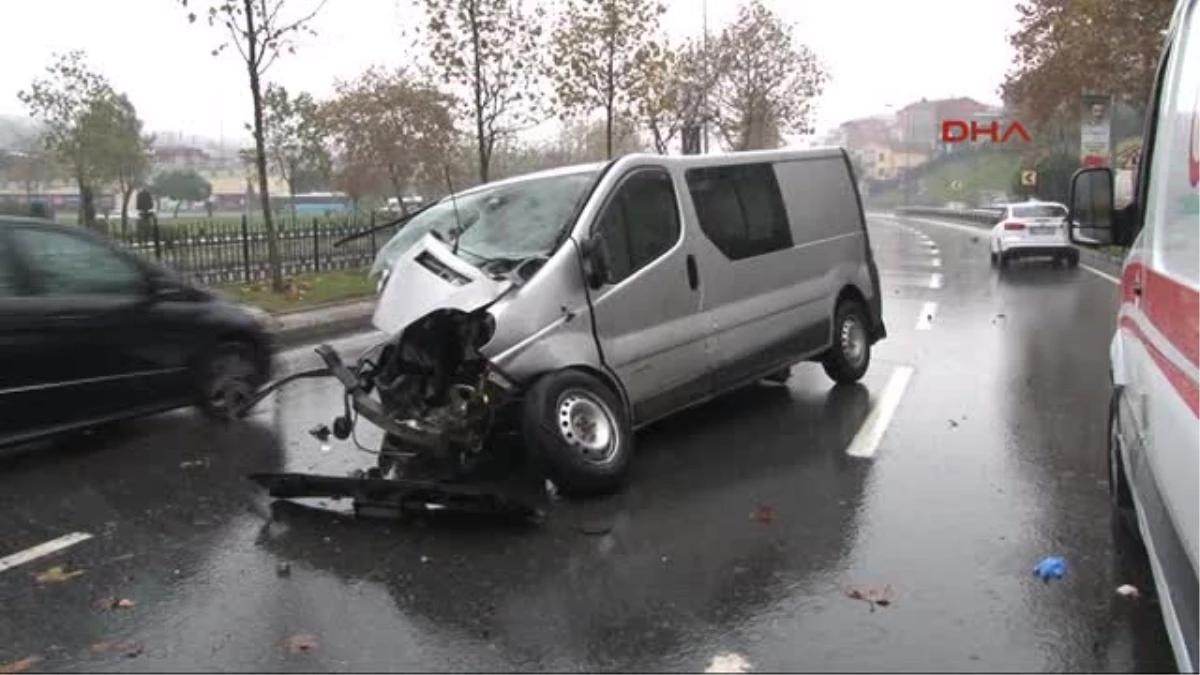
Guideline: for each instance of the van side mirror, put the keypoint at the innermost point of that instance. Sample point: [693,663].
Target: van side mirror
[595,263]
[1090,218]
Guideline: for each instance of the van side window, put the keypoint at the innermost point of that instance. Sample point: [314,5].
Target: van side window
[740,209]
[640,224]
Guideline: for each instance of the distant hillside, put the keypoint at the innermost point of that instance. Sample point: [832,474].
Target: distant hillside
[13,128]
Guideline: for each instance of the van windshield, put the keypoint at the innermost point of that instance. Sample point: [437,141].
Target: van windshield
[510,221]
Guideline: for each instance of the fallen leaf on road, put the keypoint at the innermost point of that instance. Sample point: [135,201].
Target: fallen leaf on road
[19,666]
[764,515]
[283,569]
[873,596]
[953,424]
[132,650]
[1128,591]
[56,574]
[302,643]
[101,647]
[728,663]
[114,603]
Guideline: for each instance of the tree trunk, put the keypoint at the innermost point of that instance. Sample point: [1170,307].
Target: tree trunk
[397,187]
[480,134]
[260,151]
[291,183]
[126,193]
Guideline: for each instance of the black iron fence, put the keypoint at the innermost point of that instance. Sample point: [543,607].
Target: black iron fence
[236,252]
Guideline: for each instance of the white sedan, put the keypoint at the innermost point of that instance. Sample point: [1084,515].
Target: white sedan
[1032,230]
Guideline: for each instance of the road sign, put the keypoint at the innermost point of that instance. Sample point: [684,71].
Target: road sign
[1028,178]
[956,185]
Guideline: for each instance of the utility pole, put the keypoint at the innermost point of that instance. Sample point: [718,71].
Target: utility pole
[707,79]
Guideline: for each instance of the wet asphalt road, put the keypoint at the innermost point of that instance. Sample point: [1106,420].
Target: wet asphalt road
[744,528]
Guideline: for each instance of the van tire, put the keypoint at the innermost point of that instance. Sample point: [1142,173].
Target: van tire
[1119,496]
[566,418]
[850,354]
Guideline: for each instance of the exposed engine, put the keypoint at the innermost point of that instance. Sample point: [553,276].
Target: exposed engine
[432,379]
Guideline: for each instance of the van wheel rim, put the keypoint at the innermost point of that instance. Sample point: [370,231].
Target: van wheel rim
[586,424]
[853,340]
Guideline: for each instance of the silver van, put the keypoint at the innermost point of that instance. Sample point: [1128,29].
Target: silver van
[576,305]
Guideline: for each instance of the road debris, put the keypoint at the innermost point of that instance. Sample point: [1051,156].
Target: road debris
[283,569]
[763,514]
[19,666]
[56,574]
[873,596]
[192,464]
[114,603]
[953,424]
[1052,567]
[320,432]
[301,643]
[1128,591]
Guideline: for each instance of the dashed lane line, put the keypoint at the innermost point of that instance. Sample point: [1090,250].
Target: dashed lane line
[41,550]
[866,441]
[935,281]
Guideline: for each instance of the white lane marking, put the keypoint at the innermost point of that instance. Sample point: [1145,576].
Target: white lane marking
[35,552]
[1102,275]
[937,262]
[928,311]
[935,281]
[728,662]
[866,441]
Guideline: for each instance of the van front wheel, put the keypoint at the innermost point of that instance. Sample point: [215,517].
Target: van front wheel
[850,355]
[578,432]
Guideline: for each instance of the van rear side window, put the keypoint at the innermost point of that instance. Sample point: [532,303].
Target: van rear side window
[740,209]
[819,194]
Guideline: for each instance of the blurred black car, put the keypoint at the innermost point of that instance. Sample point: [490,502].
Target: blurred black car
[90,334]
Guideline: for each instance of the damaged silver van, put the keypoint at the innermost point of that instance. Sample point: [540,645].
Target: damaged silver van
[570,307]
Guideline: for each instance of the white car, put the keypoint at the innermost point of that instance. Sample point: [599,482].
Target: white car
[1032,230]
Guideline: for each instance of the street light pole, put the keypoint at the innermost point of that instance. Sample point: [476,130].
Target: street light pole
[704,92]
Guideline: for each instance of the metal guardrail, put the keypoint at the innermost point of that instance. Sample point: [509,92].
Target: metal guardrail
[1109,260]
[986,217]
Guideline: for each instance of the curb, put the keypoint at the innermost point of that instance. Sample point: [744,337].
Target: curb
[298,328]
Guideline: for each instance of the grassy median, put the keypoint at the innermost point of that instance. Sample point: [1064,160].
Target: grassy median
[303,291]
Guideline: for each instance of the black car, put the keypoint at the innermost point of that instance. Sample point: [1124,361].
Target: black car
[91,333]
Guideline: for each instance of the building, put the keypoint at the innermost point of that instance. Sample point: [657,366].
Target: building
[920,123]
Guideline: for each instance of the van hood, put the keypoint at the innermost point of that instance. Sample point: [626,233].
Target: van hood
[429,277]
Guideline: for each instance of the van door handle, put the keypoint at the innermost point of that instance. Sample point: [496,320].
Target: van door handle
[693,273]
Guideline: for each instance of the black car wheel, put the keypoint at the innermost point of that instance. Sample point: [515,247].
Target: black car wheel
[850,355]
[227,380]
[578,432]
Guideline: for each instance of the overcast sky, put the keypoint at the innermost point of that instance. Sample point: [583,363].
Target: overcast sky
[878,52]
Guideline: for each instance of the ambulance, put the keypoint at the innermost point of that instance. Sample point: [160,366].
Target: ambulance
[1154,444]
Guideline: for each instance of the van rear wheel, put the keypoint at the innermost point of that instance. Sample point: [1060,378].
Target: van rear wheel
[850,355]
[578,432]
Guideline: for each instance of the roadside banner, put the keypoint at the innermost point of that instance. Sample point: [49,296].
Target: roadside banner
[1095,127]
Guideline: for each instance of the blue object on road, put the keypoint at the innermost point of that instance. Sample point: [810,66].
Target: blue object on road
[1053,567]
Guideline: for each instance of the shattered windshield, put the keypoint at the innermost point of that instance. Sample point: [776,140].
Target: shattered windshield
[512,221]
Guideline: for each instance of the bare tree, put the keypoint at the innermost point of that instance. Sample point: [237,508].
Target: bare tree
[394,122]
[766,85]
[295,137]
[491,49]
[260,31]
[671,91]
[596,50]
[70,102]
[124,151]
